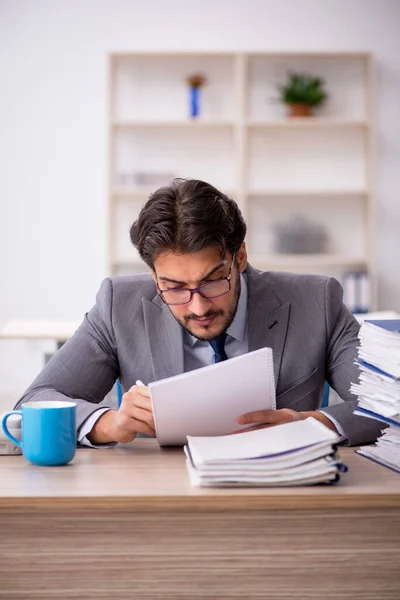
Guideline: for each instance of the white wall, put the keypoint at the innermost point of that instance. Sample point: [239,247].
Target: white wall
[53,130]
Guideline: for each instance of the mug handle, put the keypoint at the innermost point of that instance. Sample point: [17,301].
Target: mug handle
[4,427]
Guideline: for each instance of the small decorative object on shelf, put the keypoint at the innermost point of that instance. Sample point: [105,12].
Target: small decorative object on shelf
[154,178]
[299,236]
[126,178]
[302,94]
[196,82]
[144,178]
[356,291]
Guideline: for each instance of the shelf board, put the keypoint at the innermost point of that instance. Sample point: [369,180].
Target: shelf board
[308,54]
[272,261]
[173,54]
[289,122]
[143,192]
[189,124]
[140,193]
[304,54]
[307,193]
[307,122]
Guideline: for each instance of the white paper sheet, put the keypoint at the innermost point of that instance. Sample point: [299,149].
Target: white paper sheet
[207,401]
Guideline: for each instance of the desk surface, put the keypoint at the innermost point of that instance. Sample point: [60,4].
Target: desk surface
[39,329]
[142,475]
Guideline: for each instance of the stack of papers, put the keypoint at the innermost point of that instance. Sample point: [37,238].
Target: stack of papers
[378,388]
[387,449]
[298,453]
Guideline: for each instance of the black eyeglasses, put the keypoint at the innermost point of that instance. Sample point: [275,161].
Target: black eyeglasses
[208,290]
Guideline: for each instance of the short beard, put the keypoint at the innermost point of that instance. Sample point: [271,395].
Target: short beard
[214,313]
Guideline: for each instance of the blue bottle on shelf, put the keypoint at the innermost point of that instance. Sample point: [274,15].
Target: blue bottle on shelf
[194,101]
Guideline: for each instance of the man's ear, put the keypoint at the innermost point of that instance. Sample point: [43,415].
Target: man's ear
[154,275]
[241,257]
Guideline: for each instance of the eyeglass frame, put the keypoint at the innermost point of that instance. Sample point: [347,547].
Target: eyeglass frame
[197,290]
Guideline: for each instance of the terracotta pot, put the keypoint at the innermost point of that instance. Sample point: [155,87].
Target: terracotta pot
[299,110]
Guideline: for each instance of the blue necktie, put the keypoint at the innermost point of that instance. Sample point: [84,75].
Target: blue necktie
[218,346]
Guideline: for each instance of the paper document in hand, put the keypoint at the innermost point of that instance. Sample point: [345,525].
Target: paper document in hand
[297,453]
[208,401]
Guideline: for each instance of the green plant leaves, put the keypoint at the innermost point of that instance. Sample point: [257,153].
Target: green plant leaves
[302,88]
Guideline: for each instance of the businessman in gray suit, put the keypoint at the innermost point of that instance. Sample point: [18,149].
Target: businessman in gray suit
[201,303]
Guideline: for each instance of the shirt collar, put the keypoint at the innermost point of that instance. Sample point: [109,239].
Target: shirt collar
[237,328]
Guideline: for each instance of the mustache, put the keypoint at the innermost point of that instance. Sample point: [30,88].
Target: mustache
[208,315]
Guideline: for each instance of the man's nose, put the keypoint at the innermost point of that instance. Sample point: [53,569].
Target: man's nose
[199,305]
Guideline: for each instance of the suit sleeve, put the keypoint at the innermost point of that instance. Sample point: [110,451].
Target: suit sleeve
[85,368]
[341,368]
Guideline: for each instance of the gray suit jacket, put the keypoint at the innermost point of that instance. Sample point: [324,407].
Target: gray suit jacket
[131,334]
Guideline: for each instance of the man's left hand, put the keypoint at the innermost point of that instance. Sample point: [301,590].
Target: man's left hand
[268,418]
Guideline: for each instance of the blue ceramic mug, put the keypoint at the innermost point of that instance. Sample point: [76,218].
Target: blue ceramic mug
[48,432]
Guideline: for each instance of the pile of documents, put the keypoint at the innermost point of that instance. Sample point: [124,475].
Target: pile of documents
[378,388]
[297,453]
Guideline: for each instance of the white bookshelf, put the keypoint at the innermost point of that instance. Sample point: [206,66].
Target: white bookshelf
[242,142]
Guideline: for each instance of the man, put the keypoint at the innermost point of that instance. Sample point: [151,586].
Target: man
[201,288]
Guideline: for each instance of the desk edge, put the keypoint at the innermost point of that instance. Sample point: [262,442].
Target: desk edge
[206,502]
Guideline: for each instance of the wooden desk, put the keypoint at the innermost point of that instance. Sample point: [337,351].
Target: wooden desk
[39,329]
[125,523]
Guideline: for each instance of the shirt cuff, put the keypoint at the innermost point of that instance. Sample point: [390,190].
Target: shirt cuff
[339,428]
[87,427]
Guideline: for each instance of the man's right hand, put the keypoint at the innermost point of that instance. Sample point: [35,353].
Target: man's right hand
[133,416]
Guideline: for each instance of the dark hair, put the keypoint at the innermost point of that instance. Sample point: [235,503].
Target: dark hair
[187,216]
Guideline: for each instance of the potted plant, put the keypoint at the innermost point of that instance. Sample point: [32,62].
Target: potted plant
[302,93]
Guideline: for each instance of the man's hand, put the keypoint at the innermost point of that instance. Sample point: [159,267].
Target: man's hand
[268,418]
[133,416]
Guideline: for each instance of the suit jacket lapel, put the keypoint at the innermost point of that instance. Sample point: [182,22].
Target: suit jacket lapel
[267,318]
[164,337]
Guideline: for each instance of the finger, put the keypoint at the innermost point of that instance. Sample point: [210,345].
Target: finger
[143,415]
[131,399]
[143,390]
[131,425]
[255,427]
[134,397]
[252,428]
[139,409]
[259,416]
[144,403]
[141,427]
